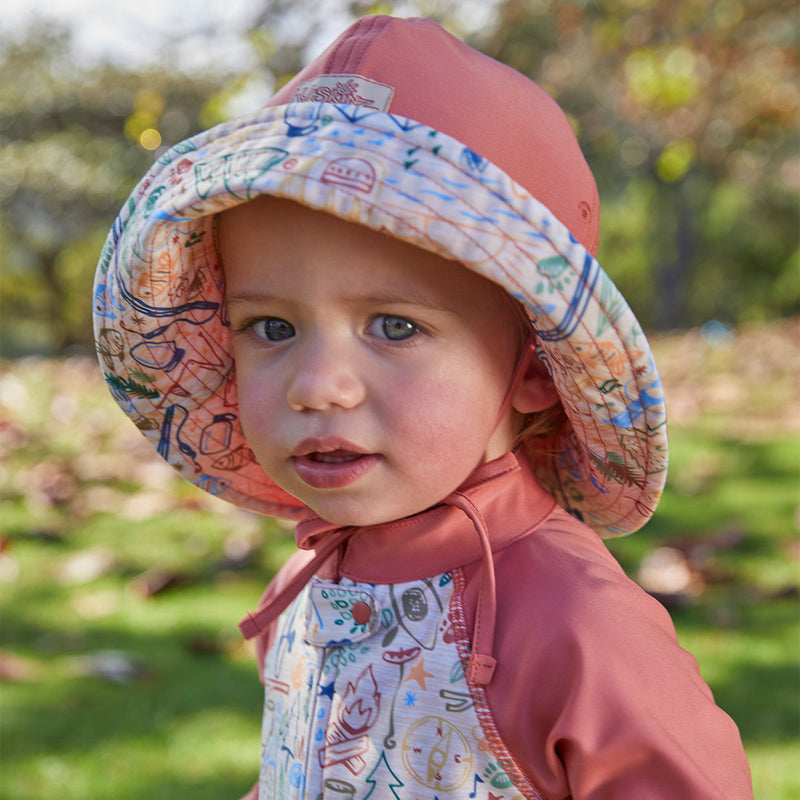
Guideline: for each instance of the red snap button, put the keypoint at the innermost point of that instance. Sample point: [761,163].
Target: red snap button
[361,612]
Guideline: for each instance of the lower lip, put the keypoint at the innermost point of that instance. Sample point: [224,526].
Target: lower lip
[333,475]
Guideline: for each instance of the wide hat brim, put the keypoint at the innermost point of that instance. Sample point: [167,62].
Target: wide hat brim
[164,340]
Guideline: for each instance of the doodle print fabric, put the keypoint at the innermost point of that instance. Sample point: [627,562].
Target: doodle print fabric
[386,710]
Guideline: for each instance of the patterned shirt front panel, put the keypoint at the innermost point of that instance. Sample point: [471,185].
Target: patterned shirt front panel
[366,697]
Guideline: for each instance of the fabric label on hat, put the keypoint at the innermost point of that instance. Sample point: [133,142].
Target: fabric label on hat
[353,89]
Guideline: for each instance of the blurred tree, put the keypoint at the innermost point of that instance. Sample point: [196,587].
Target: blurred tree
[687,111]
[76,138]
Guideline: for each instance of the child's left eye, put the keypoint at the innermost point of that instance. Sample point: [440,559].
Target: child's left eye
[394,328]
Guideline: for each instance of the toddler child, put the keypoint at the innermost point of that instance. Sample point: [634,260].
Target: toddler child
[373,307]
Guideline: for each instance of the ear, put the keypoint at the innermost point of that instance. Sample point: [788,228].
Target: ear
[535,391]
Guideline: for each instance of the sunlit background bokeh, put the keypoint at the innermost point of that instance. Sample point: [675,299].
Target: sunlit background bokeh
[687,112]
[121,584]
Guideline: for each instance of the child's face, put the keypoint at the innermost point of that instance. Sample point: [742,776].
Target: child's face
[371,373]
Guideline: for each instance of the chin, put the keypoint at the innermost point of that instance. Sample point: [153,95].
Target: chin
[353,520]
[360,517]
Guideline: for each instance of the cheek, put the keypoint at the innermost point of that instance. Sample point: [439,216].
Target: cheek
[256,407]
[444,419]
[244,391]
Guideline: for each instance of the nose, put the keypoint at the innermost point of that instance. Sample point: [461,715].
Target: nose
[324,376]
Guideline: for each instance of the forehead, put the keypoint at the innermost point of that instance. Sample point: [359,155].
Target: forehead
[280,246]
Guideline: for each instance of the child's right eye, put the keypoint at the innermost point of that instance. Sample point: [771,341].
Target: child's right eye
[273,329]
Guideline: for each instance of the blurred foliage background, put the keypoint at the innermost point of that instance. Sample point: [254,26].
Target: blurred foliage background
[687,112]
[121,584]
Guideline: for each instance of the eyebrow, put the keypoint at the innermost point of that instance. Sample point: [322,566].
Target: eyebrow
[403,297]
[399,297]
[243,299]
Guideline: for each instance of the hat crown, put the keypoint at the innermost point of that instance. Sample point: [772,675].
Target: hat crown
[416,69]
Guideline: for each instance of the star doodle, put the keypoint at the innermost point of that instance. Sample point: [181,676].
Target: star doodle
[327,691]
[418,674]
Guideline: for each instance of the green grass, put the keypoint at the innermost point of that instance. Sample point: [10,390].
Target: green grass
[187,724]
[77,481]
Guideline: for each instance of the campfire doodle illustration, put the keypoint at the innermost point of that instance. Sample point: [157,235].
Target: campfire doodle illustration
[352,715]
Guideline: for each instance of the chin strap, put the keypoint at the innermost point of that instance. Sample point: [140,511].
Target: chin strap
[257,623]
[482,662]
[526,356]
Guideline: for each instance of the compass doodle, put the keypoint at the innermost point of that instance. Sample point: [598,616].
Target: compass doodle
[437,754]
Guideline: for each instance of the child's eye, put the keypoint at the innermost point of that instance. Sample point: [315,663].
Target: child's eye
[394,328]
[274,329]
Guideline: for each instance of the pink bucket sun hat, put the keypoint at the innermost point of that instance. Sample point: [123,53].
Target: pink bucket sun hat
[401,127]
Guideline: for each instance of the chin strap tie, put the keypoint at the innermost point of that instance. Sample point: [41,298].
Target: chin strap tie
[482,662]
[256,623]
[526,357]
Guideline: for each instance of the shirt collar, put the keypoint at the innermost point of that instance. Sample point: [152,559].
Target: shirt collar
[441,538]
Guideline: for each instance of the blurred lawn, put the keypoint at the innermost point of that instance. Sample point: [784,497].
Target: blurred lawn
[124,675]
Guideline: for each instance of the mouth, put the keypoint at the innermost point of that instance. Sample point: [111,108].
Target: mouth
[333,457]
[331,463]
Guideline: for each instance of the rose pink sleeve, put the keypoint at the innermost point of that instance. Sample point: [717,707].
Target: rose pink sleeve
[593,695]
